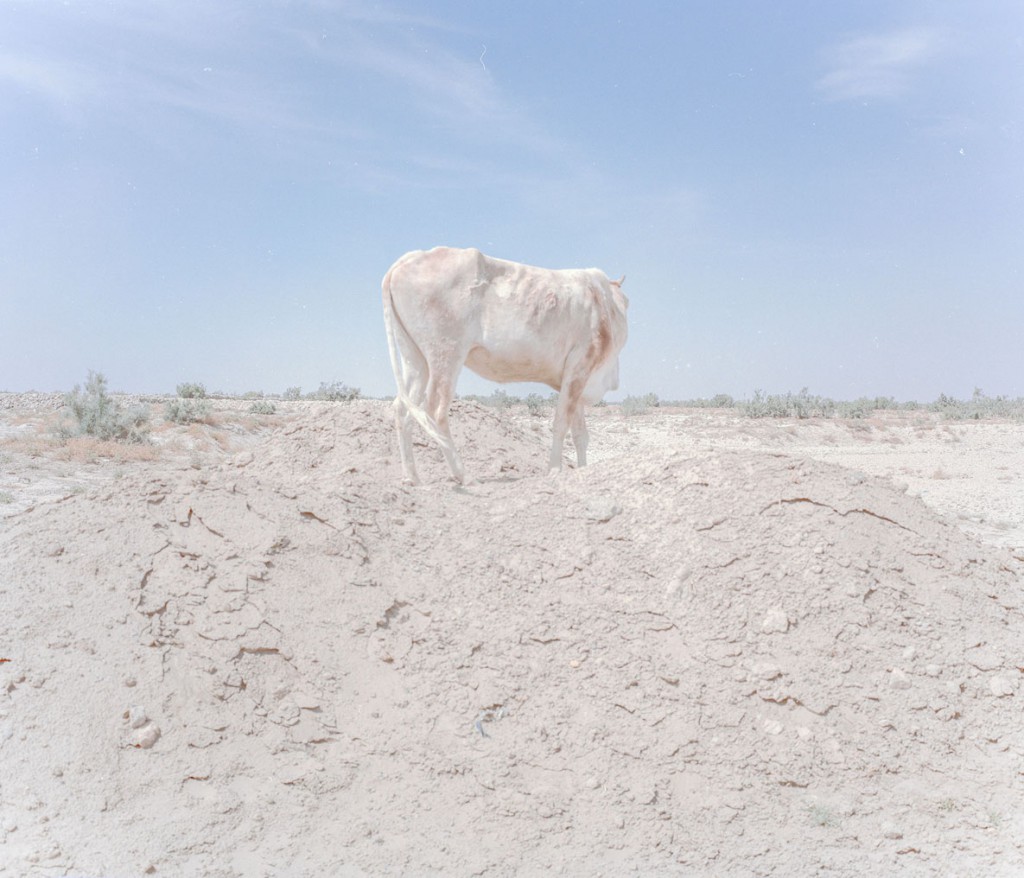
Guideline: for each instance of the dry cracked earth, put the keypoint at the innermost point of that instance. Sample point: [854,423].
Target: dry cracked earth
[727,647]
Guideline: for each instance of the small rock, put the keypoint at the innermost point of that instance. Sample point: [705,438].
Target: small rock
[147,736]
[137,716]
[1000,687]
[890,831]
[601,509]
[130,682]
[803,733]
[933,670]
[773,726]
[909,653]
[775,621]
[766,671]
[898,679]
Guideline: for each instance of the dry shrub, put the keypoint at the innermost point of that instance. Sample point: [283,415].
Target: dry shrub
[30,446]
[80,449]
[86,449]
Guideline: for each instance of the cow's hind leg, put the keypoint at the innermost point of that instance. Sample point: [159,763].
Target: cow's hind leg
[580,434]
[440,392]
[565,414]
[403,425]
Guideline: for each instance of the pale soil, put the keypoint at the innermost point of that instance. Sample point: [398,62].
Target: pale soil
[727,647]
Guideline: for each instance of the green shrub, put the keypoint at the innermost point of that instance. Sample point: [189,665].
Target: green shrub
[500,400]
[187,411]
[253,394]
[632,406]
[719,401]
[978,407]
[336,392]
[263,407]
[293,393]
[93,412]
[791,405]
[859,408]
[191,390]
[535,404]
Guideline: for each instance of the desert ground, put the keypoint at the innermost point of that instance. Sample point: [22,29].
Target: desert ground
[726,647]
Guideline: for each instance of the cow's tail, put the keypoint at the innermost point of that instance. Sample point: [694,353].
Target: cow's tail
[407,358]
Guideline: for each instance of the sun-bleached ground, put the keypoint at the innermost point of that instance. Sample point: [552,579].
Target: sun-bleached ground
[727,647]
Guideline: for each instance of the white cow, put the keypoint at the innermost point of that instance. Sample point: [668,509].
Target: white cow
[508,322]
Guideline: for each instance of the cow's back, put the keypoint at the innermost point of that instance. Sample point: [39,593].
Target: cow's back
[505,320]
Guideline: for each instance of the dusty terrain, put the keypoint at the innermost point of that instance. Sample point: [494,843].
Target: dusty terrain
[728,647]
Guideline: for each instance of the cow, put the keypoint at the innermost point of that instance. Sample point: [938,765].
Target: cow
[446,308]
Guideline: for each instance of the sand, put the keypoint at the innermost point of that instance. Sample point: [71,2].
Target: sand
[727,647]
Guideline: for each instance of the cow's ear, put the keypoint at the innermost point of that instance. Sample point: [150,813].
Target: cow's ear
[620,281]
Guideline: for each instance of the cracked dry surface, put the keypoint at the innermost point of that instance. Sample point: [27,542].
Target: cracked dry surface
[729,662]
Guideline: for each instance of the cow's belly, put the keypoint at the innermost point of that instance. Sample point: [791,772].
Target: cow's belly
[507,368]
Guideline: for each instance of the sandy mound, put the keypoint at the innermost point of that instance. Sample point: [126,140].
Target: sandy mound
[735,663]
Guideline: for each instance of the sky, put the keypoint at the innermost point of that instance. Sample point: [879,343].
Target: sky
[800,194]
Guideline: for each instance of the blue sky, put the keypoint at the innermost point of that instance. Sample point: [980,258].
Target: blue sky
[799,193]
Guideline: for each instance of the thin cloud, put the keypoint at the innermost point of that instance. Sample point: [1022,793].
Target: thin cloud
[155,63]
[54,81]
[880,66]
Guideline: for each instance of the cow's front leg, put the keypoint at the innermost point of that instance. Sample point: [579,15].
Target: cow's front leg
[568,411]
[580,435]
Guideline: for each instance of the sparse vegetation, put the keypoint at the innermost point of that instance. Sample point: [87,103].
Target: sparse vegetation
[191,390]
[790,405]
[718,401]
[5,498]
[500,400]
[253,394]
[293,393]
[263,407]
[335,392]
[535,404]
[503,401]
[189,410]
[94,412]
[632,406]
[978,407]
[805,405]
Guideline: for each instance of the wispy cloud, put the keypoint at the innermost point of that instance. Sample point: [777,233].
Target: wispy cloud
[879,65]
[54,81]
[331,73]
